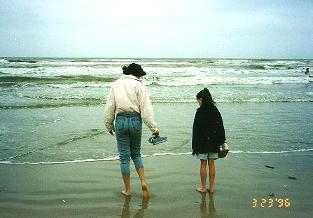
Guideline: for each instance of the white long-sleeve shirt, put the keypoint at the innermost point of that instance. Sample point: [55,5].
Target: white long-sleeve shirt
[128,94]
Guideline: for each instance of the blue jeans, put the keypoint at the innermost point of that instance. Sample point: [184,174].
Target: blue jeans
[128,131]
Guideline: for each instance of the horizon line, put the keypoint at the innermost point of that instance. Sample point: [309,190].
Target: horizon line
[98,57]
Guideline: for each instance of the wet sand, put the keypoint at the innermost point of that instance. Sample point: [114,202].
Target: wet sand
[92,189]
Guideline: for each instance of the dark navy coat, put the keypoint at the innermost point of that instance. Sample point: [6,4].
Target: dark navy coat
[208,131]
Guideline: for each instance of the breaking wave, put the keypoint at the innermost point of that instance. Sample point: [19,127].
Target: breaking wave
[56,79]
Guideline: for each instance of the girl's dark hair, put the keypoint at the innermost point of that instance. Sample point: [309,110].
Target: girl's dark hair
[206,97]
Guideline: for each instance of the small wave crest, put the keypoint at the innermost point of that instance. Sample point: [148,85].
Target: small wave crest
[3,61]
[148,156]
[256,67]
[272,152]
[91,133]
[21,61]
[55,102]
[59,162]
[58,79]
[218,80]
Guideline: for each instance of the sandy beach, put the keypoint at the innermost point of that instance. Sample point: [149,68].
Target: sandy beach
[92,189]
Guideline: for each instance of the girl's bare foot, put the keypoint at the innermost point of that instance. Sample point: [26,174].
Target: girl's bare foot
[127,194]
[201,190]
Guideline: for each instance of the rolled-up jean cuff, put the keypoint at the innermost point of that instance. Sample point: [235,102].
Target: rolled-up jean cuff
[138,162]
[124,169]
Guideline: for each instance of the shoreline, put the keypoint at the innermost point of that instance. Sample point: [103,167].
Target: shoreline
[92,189]
[116,158]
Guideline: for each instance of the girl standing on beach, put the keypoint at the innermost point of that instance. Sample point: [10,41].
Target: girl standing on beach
[129,100]
[207,135]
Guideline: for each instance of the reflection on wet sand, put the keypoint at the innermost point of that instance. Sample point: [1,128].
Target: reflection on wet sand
[139,213]
[203,206]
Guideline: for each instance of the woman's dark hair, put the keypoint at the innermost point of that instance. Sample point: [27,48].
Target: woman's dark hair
[206,97]
[134,69]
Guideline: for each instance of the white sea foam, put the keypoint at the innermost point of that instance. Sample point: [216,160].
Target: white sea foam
[59,162]
[272,152]
[218,80]
[81,85]
[3,61]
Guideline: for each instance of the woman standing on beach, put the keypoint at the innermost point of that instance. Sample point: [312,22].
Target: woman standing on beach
[129,100]
[207,135]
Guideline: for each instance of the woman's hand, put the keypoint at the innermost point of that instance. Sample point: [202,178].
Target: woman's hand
[156,133]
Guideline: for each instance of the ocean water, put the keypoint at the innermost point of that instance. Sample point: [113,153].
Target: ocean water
[51,109]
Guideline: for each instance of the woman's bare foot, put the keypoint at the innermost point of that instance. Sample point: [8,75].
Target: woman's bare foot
[145,192]
[127,194]
[201,190]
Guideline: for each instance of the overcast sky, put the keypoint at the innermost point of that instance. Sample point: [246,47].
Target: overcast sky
[157,28]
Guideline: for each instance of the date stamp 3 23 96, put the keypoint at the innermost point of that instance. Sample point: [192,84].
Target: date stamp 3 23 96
[270,202]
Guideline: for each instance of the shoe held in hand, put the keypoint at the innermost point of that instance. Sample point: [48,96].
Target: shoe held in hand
[157,139]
